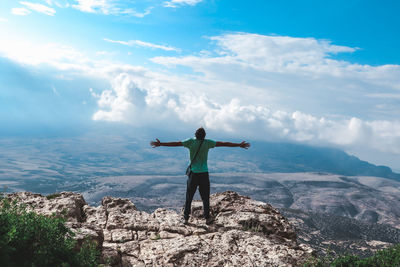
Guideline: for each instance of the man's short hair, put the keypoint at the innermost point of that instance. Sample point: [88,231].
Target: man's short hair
[200,133]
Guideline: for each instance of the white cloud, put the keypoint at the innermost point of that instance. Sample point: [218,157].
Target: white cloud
[143,44]
[108,7]
[124,102]
[56,55]
[177,3]
[55,90]
[93,6]
[273,54]
[20,11]
[60,4]
[3,19]
[139,98]
[105,53]
[39,8]
[133,12]
[384,95]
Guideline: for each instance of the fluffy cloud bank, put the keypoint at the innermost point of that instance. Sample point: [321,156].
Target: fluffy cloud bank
[265,87]
[142,101]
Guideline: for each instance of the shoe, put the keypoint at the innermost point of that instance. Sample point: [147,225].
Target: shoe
[184,221]
[209,220]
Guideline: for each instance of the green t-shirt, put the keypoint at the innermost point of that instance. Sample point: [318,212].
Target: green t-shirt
[200,162]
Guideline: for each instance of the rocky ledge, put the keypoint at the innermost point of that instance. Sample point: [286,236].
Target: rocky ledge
[245,232]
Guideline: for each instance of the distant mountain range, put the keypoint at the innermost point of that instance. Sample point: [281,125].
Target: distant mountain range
[286,157]
[45,165]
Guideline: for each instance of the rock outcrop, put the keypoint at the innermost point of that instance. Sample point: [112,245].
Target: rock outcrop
[245,232]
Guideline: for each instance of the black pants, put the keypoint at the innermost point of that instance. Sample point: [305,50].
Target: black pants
[201,180]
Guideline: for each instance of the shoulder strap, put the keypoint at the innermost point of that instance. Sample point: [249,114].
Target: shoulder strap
[196,153]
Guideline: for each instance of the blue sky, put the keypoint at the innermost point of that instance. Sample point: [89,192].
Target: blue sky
[315,72]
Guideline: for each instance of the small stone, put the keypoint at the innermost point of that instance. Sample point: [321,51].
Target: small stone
[121,235]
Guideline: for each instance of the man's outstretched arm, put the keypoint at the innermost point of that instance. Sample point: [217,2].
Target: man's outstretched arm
[157,143]
[243,144]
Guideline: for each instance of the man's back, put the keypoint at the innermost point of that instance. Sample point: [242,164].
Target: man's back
[200,163]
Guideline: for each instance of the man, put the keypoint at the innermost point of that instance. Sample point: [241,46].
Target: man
[199,171]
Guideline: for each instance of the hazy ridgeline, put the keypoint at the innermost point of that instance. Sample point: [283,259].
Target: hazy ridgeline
[47,165]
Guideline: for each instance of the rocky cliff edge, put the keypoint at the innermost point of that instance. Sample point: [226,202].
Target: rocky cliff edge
[245,232]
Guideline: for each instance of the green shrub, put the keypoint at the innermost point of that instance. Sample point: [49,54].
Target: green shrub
[346,260]
[29,239]
[384,258]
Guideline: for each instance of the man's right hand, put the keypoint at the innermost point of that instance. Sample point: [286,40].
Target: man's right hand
[156,143]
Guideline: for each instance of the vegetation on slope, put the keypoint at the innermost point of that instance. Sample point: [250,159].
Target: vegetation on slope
[384,258]
[30,239]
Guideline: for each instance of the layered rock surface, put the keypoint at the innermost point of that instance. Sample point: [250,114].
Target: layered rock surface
[245,232]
